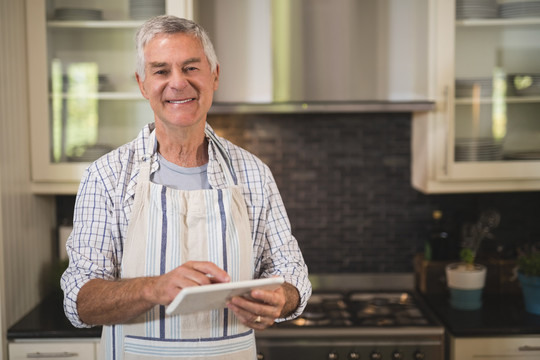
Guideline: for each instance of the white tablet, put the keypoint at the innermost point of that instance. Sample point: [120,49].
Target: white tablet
[207,297]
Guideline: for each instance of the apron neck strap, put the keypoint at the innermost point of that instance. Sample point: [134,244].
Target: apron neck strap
[223,158]
[221,154]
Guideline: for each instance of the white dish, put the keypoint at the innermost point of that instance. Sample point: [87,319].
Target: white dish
[207,297]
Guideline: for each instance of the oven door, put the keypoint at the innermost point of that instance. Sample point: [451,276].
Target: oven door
[349,348]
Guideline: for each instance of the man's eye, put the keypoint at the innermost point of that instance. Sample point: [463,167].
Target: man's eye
[160,72]
[191,68]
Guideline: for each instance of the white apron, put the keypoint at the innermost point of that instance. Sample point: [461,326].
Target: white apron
[167,228]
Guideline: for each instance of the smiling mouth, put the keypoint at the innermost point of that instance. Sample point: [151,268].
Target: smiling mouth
[180,101]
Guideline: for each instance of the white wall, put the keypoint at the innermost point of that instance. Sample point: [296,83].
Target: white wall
[26,221]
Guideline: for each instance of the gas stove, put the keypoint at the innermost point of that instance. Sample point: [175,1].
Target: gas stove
[360,309]
[357,324]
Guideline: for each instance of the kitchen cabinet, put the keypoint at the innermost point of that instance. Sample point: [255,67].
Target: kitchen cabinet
[484,76]
[79,349]
[84,99]
[500,329]
[26,221]
[506,347]
[46,331]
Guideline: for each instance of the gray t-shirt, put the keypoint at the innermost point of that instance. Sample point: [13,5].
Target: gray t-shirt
[179,177]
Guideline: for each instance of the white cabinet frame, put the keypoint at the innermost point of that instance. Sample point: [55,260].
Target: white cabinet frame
[61,178]
[433,169]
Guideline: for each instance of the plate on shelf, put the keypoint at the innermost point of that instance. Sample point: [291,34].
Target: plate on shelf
[522,9]
[145,9]
[76,14]
[465,87]
[478,149]
[523,155]
[104,84]
[476,9]
[91,153]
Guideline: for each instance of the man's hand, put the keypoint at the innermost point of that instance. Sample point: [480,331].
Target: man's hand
[193,273]
[265,306]
[104,302]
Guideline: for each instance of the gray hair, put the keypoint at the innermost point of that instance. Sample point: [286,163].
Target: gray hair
[168,24]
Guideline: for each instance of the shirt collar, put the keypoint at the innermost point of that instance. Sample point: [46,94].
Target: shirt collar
[216,177]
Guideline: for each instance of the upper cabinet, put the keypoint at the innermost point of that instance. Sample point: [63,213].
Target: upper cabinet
[84,99]
[484,71]
[302,55]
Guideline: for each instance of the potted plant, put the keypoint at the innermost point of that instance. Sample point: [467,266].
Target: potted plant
[529,277]
[466,279]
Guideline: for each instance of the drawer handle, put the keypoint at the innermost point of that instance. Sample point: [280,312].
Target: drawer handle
[49,355]
[529,348]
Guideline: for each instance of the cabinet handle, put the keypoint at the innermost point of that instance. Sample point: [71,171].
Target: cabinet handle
[529,348]
[49,355]
[446,119]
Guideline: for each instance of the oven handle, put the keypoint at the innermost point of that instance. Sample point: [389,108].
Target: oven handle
[300,343]
[529,348]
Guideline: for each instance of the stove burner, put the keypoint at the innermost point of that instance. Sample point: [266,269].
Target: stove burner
[313,315]
[378,321]
[379,301]
[360,309]
[370,310]
[325,310]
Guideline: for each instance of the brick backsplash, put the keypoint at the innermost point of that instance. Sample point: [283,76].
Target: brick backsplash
[345,181]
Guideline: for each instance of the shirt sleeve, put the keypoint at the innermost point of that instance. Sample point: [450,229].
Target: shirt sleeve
[90,246]
[281,253]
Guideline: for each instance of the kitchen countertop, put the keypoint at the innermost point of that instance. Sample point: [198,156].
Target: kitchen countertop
[500,315]
[47,320]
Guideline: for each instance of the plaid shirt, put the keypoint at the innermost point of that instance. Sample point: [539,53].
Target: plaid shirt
[105,200]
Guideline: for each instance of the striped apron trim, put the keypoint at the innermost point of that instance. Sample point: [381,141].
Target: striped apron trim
[172,227]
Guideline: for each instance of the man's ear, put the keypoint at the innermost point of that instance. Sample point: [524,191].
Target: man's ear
[141,85]
[216,78]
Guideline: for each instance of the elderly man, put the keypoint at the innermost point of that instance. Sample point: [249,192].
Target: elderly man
[179,207]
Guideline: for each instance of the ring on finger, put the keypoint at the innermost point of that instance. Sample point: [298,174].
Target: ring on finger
[257,319]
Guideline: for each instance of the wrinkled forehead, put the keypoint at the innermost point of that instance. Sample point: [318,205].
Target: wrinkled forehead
[174,44]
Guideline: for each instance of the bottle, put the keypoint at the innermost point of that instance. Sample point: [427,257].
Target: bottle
[439,238]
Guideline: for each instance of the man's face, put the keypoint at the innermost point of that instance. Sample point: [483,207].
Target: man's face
[178,81]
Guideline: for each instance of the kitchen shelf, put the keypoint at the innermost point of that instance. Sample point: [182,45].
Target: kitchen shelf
[498,22]
[101,24]
[106,96]
[469,49]
[508,100]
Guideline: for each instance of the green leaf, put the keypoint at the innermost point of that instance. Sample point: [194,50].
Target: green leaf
[467,255]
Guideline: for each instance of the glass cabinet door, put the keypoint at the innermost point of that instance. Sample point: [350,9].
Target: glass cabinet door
[484,134]
[94,101]
[83,96]
[497,83]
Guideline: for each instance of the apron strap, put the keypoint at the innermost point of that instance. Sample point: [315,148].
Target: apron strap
[222,157]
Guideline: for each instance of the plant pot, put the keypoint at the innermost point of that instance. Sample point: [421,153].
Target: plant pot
[466,285]
[530,285]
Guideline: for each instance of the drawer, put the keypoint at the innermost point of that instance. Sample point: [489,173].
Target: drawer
[518,347]
[52,349]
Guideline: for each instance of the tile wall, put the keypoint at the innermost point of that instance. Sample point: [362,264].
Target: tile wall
[345,180]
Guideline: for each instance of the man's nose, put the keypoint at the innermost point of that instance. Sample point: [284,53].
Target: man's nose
[178,80]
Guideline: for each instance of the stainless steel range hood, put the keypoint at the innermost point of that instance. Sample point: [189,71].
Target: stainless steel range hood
[319,55]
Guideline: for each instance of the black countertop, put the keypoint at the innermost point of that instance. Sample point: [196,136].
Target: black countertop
[500,315]
[47,320]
